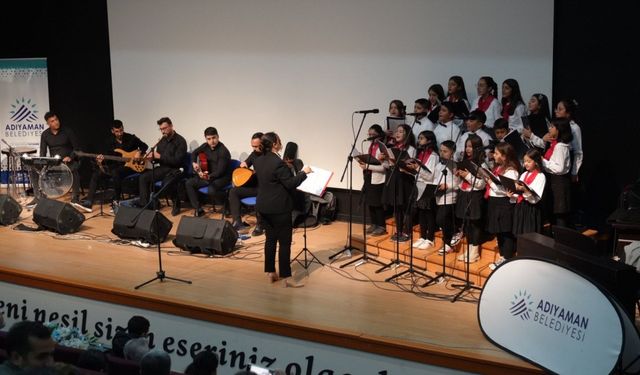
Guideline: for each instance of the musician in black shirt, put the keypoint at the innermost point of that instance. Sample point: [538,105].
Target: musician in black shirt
[169,156]
[58,141]
[116,170]
[249,189]
[217,173]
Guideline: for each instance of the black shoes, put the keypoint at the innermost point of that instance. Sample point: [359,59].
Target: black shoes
[175,211]
[199,212]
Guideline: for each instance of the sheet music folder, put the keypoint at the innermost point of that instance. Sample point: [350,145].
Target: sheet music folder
[367,159]
[316,181]
[510,185]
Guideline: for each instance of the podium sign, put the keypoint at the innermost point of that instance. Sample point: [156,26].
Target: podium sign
[556,318]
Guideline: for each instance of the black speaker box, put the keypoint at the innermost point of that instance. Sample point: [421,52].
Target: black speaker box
[209,236]
[10,210]
[57,216]
[136,223]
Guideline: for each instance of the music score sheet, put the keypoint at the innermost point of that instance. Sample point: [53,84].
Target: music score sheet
[316,181]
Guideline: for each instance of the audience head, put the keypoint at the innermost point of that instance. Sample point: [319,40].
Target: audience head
[138,326]
[29,345]
[204,363]
[155,362]
[136,348]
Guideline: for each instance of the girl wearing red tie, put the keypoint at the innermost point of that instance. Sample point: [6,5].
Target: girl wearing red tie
[374,178]
[527,215]
[557,166]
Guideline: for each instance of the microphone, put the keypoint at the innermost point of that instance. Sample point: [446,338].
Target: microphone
[368,111]
[372,138]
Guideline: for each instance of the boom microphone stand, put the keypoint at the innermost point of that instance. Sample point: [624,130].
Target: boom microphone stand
[349,246]
[442,275]
[468,285]
[160,274]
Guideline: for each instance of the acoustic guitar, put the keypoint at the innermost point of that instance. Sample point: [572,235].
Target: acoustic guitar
[129,159]
[241,176]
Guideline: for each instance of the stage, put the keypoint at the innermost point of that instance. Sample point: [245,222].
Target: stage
[351,307]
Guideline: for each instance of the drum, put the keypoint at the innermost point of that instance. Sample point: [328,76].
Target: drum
[55,181]
[242,177]
[20,150]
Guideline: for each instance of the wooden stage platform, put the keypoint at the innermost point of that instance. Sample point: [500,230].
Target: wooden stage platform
[351,307]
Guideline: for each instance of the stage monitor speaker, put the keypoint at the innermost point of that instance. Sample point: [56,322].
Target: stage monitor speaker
[136,223]
[208,236]
[10,210]
[57,216]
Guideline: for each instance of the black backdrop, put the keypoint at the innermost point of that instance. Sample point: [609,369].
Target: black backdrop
[593,47]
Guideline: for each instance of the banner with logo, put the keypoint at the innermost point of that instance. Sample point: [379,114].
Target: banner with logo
[24,99]
[557,319]
[183,338]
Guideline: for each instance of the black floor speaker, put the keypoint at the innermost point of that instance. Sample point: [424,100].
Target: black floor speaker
[208,236]
[10,210]
[57,216]
[139,224]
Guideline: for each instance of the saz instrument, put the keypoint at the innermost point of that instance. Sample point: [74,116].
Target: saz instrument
[241,176]
[129,159]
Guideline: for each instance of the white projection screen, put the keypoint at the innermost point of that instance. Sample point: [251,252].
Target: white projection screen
[302,67]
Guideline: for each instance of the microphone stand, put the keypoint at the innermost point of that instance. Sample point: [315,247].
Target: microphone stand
[468,285]
[441,275]
[349,165]
[407,218]
[364,258]
[160,274]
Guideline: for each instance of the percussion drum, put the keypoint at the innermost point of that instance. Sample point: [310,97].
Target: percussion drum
[56,181]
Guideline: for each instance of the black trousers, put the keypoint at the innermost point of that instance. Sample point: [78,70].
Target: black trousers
[377,215]
[278,229]
[192,185]
[235,195]
[427,221]
[506,244]
[148,177]
[445,218]
[117,173]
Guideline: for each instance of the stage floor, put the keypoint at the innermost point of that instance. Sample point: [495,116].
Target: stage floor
[351,307]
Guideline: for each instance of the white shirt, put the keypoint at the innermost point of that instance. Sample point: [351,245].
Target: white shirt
[498,191]
[559,163]
[460,145]
[424,177]
[493,112]
[515,120]
[576,147]
[446,132]
[478,183]
[377,171]
[537,185]
[421,125]
[451,180]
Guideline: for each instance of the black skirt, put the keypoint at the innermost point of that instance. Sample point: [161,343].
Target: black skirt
[475,200]
[499,215]
[426,203]
[527,218]
[559,192]
[372,193]
[397,188]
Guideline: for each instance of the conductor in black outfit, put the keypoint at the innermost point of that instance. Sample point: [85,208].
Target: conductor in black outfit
[218,172]
[169,155]
[276,185]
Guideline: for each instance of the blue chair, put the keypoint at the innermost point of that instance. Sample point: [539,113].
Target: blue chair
[233,164]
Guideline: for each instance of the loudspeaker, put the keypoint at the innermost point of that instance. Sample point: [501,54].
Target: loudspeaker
[10,210]
[209,236]
[136,223]
[57,216]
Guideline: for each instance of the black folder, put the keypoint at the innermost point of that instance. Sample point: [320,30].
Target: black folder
[514,139]
[367,159]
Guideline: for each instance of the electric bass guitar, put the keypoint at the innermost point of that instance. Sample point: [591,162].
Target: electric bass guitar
[129,159]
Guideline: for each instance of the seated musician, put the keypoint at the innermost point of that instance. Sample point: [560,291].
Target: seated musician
[301,200]
[249,189]
[168,155]
[59,141]
[211,161]
[121,141]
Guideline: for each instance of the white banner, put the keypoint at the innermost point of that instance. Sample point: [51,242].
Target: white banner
[183,338]
[24,99]
[555,318]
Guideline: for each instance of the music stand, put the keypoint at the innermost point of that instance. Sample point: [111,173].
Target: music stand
[305,252]
[349,165]
[160,274]
[468,285]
